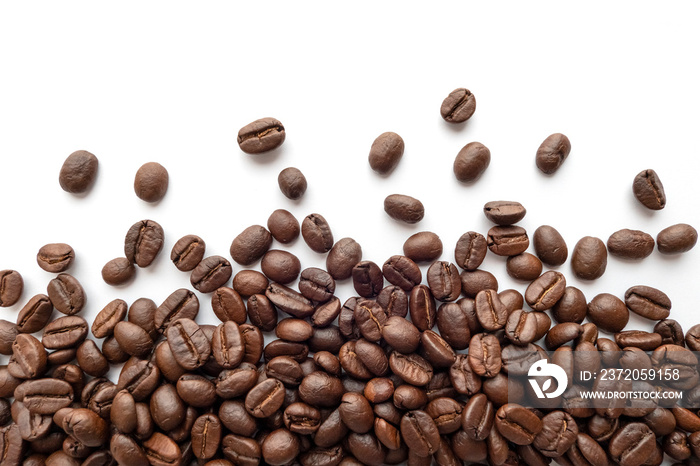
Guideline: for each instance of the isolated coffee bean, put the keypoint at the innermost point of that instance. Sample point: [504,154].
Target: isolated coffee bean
[423,247]
[283,226]
[507,241]
[66,294]
[630,244]
[151,182]
[444,281]
[649,190]
[504,212]
[470,250]
[342,257]
[517,424]
[55,257]
[11,286]
[250,245]
[459,106]
[524,266]
[292,183]
[648,302]
[404,208]
[386,152]
[210,274]
[317,233]
[180,304]
[549,245]
[261,135]
[187,252]
[78,172]
[552,153]
[571,307]
[546,291]
[34,315]
[143,242]
[65,332]
[589,258]
[471,162]
[608,312]
[676,239]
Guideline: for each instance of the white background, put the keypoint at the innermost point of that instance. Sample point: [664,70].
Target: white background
[173,82]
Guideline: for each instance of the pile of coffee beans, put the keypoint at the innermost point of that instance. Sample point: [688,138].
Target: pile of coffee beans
[412,369]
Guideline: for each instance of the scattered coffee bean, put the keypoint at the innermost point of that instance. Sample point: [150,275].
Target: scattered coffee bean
[552,153]
[524,266]
[649,190]
[589,259]
[151,182]
[118,271]
[648,302]
[504,212]
[507,241]
[676,239]
[250,245]
[471,162]
[34,315]
[11,287]
[608,312]
[261,135]
[459,106]
[188,252]
[630,244]
[55,257]
[317,233]
[423,247]
[143,242]
[211,273]
[404,208]
[78,172]
[386,152]
[280,266]
[549,245]
[292,183]
[283,226]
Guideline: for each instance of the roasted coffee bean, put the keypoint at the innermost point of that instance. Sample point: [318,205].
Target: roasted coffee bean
[261,135]
[589,258]
[521,327]
[507,241]
[105,321]
[241,450]
[280,447]
[210,274]
[512,299]
[133,339]
[298,351]
[459,106]
[250,245]
[181,304]
[571,307]
[126,450]
[608,312]
[474,281]
[283,226]
[265,398]
[284,369]
[524,266]
[55,257]
[420,433]
[142,377]
[648,302]
[589,334]
[386,152]
[408,397]
[424,246]
[485,355]
[370,318]
[289,301]
[302,419]
[490,311]
[343,257]
[671,332]
[471,162]
[402,272]
[33,317]
[118,271]
[111,351]
[444,281]
[549,245]
[187,252]
[317,233]
[367,279]
[372,356]
[316,284]
[235,418]
[123,414]
[632,444]
[326,339]
[227,345]
[394,300]
[167,408]
[280,266]
[387,434]
[559,432]
[676,239]
[328,362]
[437,350]
[411,368]
[228,305]
[379,390]
[504,212]
[206,436]
[639,339]
[44,396]
[86,427]
[649,190]
[11,286]
[446,414]
[189,345]
[421,306]
[470,250]
[143,242]
[477,417]
[453,323]
[64,332]
[356,413]
[552,153]
[294,330]
[326,313]
[516,360]
[246,283]
[91,359]
[262,313]
[32,426]
[404,208]
[78,172]
[517,424]
[546,291]
[161,450]
[561,334]
[401,334]
[253,341]
[142,312]
[630,244]
[236,382]
[676,446]
[66,294]
[292,183]
[151,182]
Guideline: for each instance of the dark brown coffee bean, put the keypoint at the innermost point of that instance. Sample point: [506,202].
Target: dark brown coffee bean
[648,302]
[649,190]
[280,266]
[181,304]
[86,427]
[444,281]
[356,413]
[372,356]
[261,135]
[292,183]
[206,436]
[632,444]
[423,247]
[379,390]
[285,369]
[549,245]
[561,334]
[559,432]
[420,433]
[210,274]
[524,266]
[421,306]
[485,355]
[317,233]
[459,106]
[671,332]
[241,450]
[133,339]
[407,397]
[546,291]
[630,244]
[265,398]
[370,318]
[189,345]
[571,307]
[167,408]
[470,250]
[411,368]
[151,182]
[474,281]
[638,339]
[44,396]
[162,450]
[477,417]
[55,257]
[676,446]
[608,312]
[404,208]
[297,351]
[289,301]
[446,414]
[367,279]
[123,414]
[386,152]
[236,382]
[283,226]
[227,345]
[471,162]
[326,313]
[351,362]
[517,424]
[33,317]
[91,359]
[143,242]
[105,321]
[437,350]
[78,172]
[343,257]
[11,287]
[294,330]
[507,241]
[64,332]
[262,313]
[589,258]
[246,283]
[490,311]
[512,299]
[676,239]
[552,153]
[453,323]
[118,271]
[126,450]
[280,447]
[111,351]
[66,294]
[142,313]
[316,284]
[521,327]
[504,212]
[250,245]
[187,252]
[228,305]
[401,334]
[394,300]
[402,272]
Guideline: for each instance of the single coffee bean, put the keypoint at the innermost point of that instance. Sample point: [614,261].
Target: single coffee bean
[283,226]
[437,351]
[142,313]
[446,414]
[55,257]
[123,414]
[235,418]
[111,351]
[474,281]
[589,334]
[516,360]
[608,312]
[253,341]
[386,152]
[638,339]
[292,183]
[507,241]
[402,271]
[44,396]
[227,345]
[561,334]
[630,244]
[78,172]
[367,278]
[133,339]
[546,291]
[411,368]
[471,162]
[648,302]
[504,212]
[261,135]
[423,247]
[86,427]
[143,242]
[126,450]
[517,424]
[351,362]
[589,258]
[294,330]
[379,390]
[65,332]
[372,356]
[151,182]
[477,417]
[421,306]
[467,449]
[167,408]
[558,434]
[343,257]
[671,332]
[180,304]
[210,274]
[444,281]
[453,322]
[280,266]
[285,369]
[289,301]
[387,434]
[246,283]
[485,355]
[394,300]
[401,334]
[324,314]
[571,307]
[280,447]
[676,446]
[356,413]
[549,245]
[265,398]
[91,359]
[11,286]
[552,153]
[370,318]
[227,305]
[404,208]
[241,450]
[490,311]
[524,266]
[188,252]
[420,432]
[676,239]
[649,190]
[587,449]
[206,436]
[317,233]
[470,250]
[512,299]
[632,444]
[34,315]
[236,382]
[521,327]
[118,271]
[459,106]
[189,345]
[250,245]
[262,312]
[66,294]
